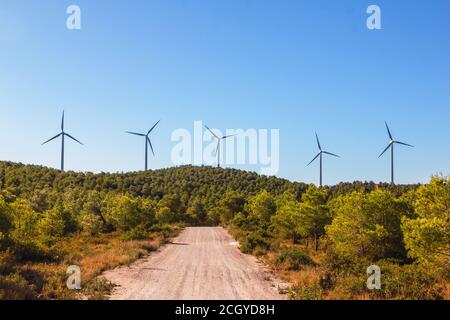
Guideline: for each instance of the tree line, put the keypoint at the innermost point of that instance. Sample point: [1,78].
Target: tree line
[356,223]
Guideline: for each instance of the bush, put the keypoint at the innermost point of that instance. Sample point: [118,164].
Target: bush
[408,282]
[137,233]
[343,265]
[252,241]
[244,223]
[98,289]
[91,224]
[165,215]
[164,229]
[5,223]
[24,221]
[292,258]
[428,237]
[7,262]
[52,226]
[398,282]
[15,287]
[367,226]
[32,251]
[308,292]
[123,212]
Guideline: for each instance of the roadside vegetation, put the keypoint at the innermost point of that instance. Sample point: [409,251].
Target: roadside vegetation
[323,244]
[319,239]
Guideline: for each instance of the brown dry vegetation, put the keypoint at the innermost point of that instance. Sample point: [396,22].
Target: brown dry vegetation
[310,281]
[93,255]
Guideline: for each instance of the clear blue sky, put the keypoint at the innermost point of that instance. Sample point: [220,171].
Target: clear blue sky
[300,66]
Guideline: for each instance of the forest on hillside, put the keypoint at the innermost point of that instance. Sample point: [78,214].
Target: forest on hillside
[331,234]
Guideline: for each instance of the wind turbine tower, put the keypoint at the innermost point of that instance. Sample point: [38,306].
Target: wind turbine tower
[148,142]
[62,134]
[319,155]
[219,139]
[391,145]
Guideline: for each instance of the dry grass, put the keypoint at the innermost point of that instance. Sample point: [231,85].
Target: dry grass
[93,255]
[315,282]
[447,292]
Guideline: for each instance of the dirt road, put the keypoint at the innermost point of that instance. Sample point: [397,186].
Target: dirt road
[201,263]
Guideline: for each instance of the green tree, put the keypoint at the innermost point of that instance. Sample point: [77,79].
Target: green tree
[5,223]
[90,223]
[214,216]
[94,204]
[231,204]
[53,224]
[24,221]
[174,204]
[123,212]
[196,212]
[428,236]
[147,212]
[367,226]
[262,206]
[165,215]
[286,220]
[314,214]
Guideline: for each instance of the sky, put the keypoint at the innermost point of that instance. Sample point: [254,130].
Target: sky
[297,66]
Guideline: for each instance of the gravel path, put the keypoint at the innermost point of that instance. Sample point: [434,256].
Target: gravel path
[200,264]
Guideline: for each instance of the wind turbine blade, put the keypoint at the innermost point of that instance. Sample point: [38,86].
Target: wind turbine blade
[314,158]
[218,146]
[389,145]
[231,135]
[136,134]
[211,132]
[405,144]
[62,122]
[318,142]
[331,154]
[73,138]
[153,127]
[57,136]
[389,131]
[151,147]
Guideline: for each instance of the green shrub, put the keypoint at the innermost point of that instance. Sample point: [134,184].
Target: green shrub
[52,226]
[398,282]
[252,241]
[239,220]
[98,289]
[408,282]
[123,212]
[292,258]
[352,286]
[32,251]
[7,262]
[156,228]
[326,281]
[308,292]
[165,215]
[15,287]
[343,265]
[137,233]
[5,223]
[91,224]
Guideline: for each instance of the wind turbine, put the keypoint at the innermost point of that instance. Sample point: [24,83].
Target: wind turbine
[321,152]
[218,143]
[147,142]
[62,134]
[391,145]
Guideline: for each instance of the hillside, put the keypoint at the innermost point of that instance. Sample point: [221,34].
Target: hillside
[320,239]
[185,181]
